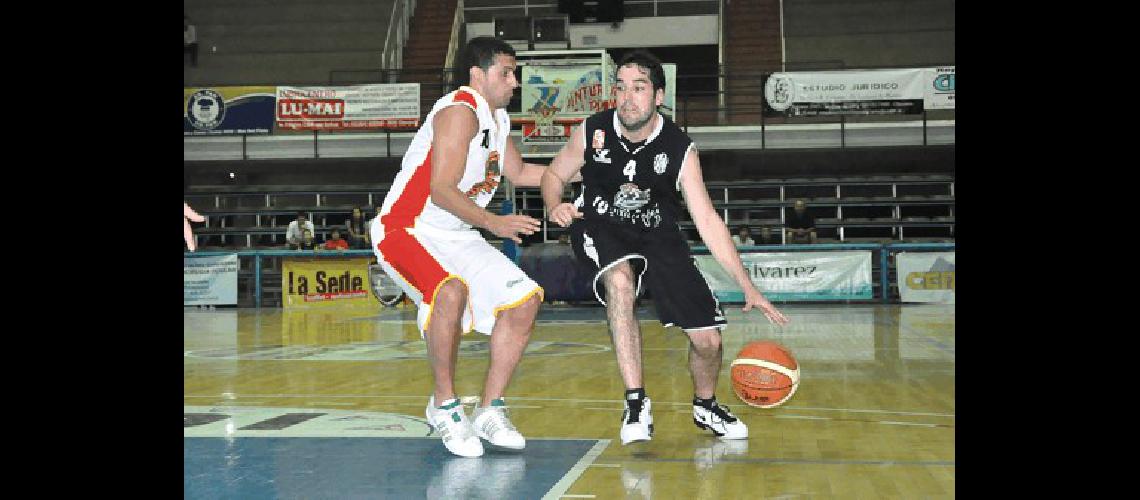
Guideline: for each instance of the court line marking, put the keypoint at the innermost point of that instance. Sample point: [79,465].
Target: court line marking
[805,417]
[804,461]
[559,489]
[889,422]
[572,400]
[606,465]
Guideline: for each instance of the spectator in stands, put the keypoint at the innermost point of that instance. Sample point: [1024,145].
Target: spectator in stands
[293,232]
[742,238]
[335,242]
[307,242]
[799,225]
[189,40]
[357,230]
[766,236]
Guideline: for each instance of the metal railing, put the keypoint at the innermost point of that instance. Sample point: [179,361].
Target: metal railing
[393,55]
[884,282]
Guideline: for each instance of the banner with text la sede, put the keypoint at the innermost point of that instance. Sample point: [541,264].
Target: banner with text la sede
[325,281]
[209,280]
[353,107]
[859,92]
[227,110]
[784,276]
[925,276]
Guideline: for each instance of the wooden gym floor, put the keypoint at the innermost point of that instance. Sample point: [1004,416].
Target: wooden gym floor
[330,404]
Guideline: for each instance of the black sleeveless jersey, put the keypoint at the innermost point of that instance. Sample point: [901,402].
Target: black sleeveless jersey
[628,184]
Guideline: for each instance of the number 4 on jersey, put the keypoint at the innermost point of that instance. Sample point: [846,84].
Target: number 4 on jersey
[630,169]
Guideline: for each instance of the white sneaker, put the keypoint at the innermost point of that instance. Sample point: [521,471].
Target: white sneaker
[491,423]
[720,421]
[636,426]
[451,423]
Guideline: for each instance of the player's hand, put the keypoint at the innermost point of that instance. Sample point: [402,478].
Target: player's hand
[755,298]
[564,214]
[189,213]
[510,226]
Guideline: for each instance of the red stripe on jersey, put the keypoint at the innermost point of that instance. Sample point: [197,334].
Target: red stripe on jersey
[409,258]
[412,201]
[464,96]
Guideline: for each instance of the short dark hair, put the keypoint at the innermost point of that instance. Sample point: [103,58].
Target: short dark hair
[480,51]
[647,61]
[302,214]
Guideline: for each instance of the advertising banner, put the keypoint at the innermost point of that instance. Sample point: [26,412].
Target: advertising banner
[795,276]
[353,107]
[228,110]
[209,280]
[925,276]
[325,281]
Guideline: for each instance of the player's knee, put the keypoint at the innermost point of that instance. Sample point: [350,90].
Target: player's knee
[452,295]
[705,341]
[524,313]
[619,280]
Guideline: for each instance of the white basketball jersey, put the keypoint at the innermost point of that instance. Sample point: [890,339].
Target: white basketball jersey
[408,203]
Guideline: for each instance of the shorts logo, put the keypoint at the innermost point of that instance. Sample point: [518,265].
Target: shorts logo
[205,109]
[602,156]
[660,162]
[514,282]
[600,205]
[599,138]
[588,247]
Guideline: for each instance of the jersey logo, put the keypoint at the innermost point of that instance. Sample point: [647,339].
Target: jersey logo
[602,156]
[629,197]
[599,138]
[490,179]
[487,138]
[660,162]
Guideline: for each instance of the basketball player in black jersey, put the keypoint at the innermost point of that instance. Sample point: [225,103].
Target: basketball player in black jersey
[633,163]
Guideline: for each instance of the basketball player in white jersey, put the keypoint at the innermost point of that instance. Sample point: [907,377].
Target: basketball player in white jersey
[424,238]
[636,164]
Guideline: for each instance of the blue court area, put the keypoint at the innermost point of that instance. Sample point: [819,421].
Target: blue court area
[355,467]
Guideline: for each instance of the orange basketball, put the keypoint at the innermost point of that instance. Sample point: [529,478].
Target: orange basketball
[765,374]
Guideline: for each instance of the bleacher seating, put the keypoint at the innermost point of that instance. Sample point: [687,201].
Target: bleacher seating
[256,216]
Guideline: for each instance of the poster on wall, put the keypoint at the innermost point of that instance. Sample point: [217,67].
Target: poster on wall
[228,110]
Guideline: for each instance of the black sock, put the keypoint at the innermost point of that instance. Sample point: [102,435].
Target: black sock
[705,403]
[634,399]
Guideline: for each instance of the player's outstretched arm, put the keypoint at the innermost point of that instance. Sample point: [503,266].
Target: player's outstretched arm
[715,235]
[565,167]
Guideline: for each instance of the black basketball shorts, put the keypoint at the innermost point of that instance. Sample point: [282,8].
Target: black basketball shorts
[662,258]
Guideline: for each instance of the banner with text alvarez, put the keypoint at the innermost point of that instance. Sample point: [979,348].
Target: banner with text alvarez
[786,276]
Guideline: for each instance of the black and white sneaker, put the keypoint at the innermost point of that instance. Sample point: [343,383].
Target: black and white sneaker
[720,421]
[636,421]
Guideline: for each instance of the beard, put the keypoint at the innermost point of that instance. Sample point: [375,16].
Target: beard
[637,124]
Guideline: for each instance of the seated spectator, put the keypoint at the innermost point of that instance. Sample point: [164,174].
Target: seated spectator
[766,237]
[742,238]
[293,232]
[357,230]
[189,40]
[307,242]
[799,225]
[335,242]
